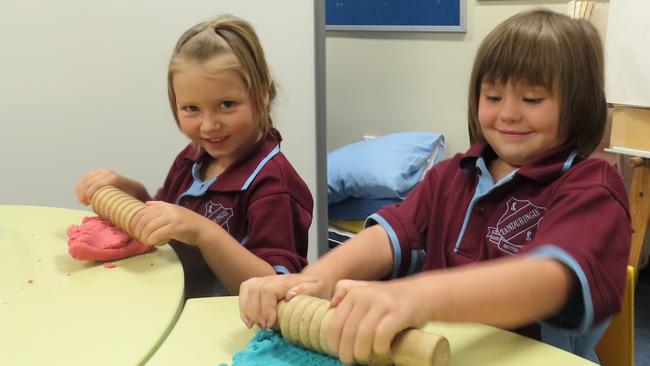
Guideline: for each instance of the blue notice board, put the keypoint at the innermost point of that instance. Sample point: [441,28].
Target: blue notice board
[396,15]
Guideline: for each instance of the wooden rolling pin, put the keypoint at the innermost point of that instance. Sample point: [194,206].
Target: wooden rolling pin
[117,207]
[304,320]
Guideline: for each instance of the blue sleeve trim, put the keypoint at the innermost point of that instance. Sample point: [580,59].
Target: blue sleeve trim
[555,252]
[259,167]
[417,259]
[392,235]
[281,269]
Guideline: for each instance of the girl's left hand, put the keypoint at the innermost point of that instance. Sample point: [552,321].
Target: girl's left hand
[369,315]
[160,221]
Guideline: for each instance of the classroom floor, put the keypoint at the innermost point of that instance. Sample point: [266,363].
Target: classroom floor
[642,318]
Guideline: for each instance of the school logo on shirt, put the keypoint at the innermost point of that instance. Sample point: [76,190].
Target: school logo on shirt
[219,214]
[516,226]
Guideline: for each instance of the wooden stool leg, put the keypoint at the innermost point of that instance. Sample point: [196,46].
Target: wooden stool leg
[639,197]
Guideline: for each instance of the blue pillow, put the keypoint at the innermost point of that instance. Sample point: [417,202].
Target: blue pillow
[357,208]
[384,167]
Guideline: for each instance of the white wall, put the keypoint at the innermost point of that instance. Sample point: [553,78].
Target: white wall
[83,86]
[382,82]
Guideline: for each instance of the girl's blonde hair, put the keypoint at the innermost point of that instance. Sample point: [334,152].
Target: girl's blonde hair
[227,35]
[543,48]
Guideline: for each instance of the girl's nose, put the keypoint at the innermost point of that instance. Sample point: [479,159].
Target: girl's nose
[509,110]
[210,123]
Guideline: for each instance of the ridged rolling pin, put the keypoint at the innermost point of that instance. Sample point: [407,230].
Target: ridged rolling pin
[118,207]
[304,321]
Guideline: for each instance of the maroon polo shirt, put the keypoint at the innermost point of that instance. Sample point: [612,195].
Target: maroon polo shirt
[260,200]
[574,210]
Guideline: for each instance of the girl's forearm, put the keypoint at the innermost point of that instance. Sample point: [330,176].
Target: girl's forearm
[230,261]
[367,256]
[505,293]
[136,189]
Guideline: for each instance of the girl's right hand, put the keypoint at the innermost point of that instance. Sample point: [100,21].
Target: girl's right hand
[91,182]
[259,296]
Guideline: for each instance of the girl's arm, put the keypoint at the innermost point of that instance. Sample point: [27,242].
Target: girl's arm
[506,293]
[230,261]
[366,256]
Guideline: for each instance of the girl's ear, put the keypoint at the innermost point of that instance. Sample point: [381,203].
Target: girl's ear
[265,96]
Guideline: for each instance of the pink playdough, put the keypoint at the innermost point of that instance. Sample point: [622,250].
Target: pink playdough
[97,239]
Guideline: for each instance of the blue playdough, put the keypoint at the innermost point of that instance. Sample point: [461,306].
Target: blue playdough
[268,348]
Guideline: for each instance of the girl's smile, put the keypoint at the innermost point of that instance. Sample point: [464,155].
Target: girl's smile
[215,142]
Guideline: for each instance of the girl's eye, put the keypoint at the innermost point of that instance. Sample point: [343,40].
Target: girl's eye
[533,100]
[493,98]
[190,109]
[226,104]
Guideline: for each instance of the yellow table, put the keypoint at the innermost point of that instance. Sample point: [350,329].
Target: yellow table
[55,310]
[209,331]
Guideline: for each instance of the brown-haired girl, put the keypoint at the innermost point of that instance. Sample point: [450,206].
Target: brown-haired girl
[522,231]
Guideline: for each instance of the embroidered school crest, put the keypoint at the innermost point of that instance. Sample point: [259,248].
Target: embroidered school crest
[219,214]
[516,226]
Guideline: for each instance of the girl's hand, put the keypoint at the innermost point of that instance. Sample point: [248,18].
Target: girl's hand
[259,296]
[91,182]
[369,315]
[160,221]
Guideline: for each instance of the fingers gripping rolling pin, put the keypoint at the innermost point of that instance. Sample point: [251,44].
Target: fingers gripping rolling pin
[117,207]
[304,320]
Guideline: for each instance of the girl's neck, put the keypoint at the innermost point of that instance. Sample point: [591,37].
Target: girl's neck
[212,169]
[499,169]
